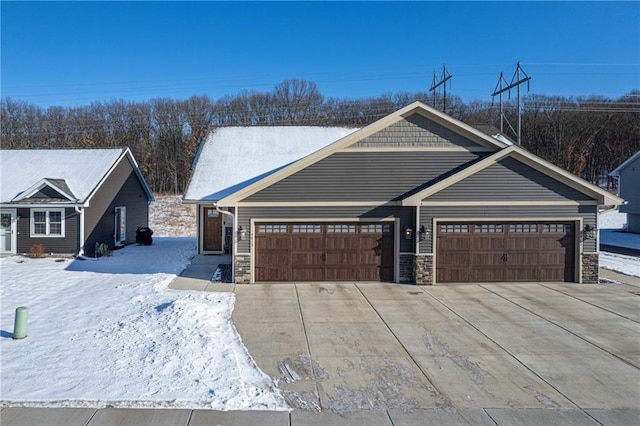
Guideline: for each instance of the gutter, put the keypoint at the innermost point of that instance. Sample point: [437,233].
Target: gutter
[80,210]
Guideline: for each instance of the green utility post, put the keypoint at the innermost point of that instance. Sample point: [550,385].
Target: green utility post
[20,324]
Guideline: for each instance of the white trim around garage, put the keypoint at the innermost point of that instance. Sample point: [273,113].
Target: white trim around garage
[577,220]
[396,237]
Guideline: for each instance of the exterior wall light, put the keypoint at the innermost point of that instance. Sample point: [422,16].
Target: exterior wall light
[423,233]
[242,233]
[588,233]
[408,232]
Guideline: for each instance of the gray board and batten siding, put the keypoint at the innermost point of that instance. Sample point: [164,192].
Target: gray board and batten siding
[323,213]
[415,131]
[512,180]
[367,176]
[121,188]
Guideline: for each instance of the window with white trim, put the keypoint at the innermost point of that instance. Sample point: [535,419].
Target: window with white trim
[47,222]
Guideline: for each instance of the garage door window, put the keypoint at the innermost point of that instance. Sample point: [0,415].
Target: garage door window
[341,229]
[307,229]
[454,228]
[490,228]
[375,228]
[556,228]
[272,229]
[523,227]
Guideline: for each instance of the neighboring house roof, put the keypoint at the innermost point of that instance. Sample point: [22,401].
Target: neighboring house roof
[75,174]
[503,145]
[616,172]
[235,157]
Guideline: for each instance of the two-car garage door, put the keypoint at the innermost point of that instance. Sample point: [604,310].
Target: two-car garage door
[324,251]
[509,251]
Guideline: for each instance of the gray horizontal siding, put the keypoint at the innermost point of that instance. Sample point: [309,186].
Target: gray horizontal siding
[628,187]
[509,179]
[121,189]
[366,176]
[415,131]
[427,214]
[66,245]
[245,214]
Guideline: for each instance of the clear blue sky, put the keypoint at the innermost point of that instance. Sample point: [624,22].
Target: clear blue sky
[56,53]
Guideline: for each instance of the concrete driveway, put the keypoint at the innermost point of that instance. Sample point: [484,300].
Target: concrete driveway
[469,350]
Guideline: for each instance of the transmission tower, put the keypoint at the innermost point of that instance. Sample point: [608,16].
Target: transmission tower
[441,82]
[519,77]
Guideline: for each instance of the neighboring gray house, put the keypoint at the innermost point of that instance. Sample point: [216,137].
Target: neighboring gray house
[70,199]
[628,174]
[416,197]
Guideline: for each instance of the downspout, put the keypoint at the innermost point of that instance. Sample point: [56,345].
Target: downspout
[233,242]
[80,210]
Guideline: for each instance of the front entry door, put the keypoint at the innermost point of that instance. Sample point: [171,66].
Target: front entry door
[7,231]
[212,229]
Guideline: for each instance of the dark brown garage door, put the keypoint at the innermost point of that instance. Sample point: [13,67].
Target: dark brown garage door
[498,252]
[324,252]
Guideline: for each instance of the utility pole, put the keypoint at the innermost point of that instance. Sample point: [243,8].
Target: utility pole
[441,82]
[516,81]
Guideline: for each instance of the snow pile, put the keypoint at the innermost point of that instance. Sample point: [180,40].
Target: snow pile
[612,233]
[612,224]
[628,265]
[110,332]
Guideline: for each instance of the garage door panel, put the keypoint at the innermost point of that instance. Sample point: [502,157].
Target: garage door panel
[454,259]
[487,243]
[452,275]
[319,252]
[457,243]
[487,274]
[272,274]
[508,251]
[522,274]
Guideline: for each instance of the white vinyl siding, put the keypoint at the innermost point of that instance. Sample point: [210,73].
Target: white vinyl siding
[47,223]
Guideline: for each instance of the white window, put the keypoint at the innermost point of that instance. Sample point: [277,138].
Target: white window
[47,222]
[120,234]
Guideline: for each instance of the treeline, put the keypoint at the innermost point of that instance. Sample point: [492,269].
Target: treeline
[587,136]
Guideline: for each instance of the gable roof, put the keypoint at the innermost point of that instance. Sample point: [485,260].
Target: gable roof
[58,185]
[235,157]
[504,148]
[74,173]
[433,114]
[616,172]
[603,197]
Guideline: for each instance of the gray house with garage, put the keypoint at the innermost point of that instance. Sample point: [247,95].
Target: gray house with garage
[628,174]
[68,200]
[415,197]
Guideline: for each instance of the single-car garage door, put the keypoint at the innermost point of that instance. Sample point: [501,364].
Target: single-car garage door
[499,252]
[324,252]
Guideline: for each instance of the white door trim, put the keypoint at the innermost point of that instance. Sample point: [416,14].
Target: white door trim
[13,229]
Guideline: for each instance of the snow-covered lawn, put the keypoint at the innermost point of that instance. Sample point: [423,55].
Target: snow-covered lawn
[110,332]
[611,225]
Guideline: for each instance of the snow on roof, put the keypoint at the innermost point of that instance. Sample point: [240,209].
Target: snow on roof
[81,169]
[234,157]
[502,138]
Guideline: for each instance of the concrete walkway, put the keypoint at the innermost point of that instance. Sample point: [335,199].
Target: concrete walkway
[436,417]
[370,353]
